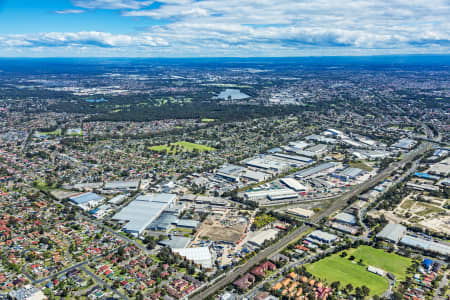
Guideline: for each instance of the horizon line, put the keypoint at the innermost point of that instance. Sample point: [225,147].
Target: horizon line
[222,57]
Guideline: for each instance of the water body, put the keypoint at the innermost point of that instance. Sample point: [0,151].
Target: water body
[95,100]
[233,94]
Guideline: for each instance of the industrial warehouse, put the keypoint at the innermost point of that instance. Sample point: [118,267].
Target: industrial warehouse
[143,211]
[86,201]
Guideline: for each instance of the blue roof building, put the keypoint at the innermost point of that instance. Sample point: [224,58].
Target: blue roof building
[86,200]
[427,263]
[426,176]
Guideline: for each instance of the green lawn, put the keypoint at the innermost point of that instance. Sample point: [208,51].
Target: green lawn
[390,262]
[182,146]
[208,120]
[335,268]
[55,132]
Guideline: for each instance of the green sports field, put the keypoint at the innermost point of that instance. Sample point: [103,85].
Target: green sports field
[183,147]
[335,268]
[390,262]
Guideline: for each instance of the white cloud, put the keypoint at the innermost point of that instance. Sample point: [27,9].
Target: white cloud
[69,11]
[111,4]
[82,39]
[263,27]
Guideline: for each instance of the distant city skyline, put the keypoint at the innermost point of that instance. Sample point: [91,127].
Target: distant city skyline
[216,28]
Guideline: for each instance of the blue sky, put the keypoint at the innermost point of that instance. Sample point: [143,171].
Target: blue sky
[200,28]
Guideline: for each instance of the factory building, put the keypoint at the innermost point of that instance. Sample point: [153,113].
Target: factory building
[293,184]
[271,195]
[426,176]
[301,212]
[320,139]
[164,222]
[333,132]
[259,238]
[422,187]
[348,173]
[426,245]
[295,158]
[268,165]
[188,223]
[86,201]
[318,150]
[256,195]
[315,170]
[230,173]
[392,233]
[175,242]
[405,144]
[321,236]
[131,185]
[284,194]
[299,145]
[117,199]
[345,218]
[143,211]
[200,256]
[255,176]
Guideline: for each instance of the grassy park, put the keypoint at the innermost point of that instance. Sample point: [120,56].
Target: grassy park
[390,262]
[182,146]
[346,271]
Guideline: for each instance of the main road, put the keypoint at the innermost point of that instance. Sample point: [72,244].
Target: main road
[289,238]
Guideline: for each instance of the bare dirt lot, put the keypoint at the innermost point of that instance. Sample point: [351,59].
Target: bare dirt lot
[218,231]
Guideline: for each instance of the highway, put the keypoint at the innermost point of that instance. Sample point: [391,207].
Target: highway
[286,240]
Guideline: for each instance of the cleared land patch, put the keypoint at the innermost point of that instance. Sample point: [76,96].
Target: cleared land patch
[361,165]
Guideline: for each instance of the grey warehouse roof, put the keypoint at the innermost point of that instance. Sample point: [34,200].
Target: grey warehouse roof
[86,197]
[231,169]
[188,223]
[164,221]
[425,245]
[315,170]
[352,172]
[201,256]
[121,184]
[322,235]
[392,232]
[175,242]
[142,211]
[346,218]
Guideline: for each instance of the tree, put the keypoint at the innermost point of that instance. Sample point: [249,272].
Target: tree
[365,290]
[191,270]
[358,292]
[349,288]
[335,285]
[139,296]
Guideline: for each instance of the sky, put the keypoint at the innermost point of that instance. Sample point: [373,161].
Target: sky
[222,28]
